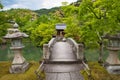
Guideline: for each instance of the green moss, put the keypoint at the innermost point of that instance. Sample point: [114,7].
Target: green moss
[97,72]
[28,75]
[4,66]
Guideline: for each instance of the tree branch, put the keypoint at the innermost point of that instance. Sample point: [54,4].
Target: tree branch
[94,13]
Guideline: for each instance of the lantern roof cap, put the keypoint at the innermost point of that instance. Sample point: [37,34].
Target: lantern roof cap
[15,35]
[114,36]
[60,26]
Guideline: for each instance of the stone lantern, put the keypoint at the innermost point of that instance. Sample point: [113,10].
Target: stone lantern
[112,62]
[62,59]
[19,64]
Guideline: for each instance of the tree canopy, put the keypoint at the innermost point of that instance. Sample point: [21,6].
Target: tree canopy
[86,20]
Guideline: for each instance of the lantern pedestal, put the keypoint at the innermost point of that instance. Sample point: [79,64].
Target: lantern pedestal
[113,63]
[19,64]
[19,68]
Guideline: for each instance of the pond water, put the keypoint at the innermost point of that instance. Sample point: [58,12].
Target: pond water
[30,52]
[33,53]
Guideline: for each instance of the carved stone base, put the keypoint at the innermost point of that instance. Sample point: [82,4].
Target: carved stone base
[64,76]
[19,68]
[63,71]
[113,69]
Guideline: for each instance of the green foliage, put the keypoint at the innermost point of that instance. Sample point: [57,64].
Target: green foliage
[46,11]
[3,28]
[99,16]
[86,21]
[94,19]
[73,30]
[21,16]
[42,34]
[3,24]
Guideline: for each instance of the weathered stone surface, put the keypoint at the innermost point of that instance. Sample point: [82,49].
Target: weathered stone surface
[113,69]
[19,68]
[61,58]
[64,76]
[113,57]
[19,63]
